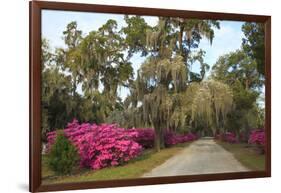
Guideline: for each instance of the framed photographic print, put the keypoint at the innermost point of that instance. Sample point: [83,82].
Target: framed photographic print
[123,96]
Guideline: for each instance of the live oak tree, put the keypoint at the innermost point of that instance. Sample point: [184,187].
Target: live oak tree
[157,83]
[189,33]
[163,78]
[84,67]
[104,63]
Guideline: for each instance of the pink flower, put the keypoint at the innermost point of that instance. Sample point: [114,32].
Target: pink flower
[257,137]
[106,145]
[100,146]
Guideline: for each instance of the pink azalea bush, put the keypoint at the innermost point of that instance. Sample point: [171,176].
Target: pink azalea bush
[100,146]
[227,137]
[144,136]
[106,145]
[172,138]
[257,137]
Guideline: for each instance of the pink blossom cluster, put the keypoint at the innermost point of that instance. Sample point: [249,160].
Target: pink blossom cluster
[257,137]
[145,136]
[106,145]
[100,146]
[227,137]
[172,138]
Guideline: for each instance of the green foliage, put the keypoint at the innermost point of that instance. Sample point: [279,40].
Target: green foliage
[63,157]
[238,67]
[253,43]
[135,32]
[190,33]
[72,35]
[162,79]
[204,67]
[159,80]
[46,56]
[212,102]
[55,93]
[82,79]
[245,155]
[239,71]
[133,169]
[244,114]
[87,62]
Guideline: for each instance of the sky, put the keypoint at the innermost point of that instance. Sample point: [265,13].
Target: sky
[227,38]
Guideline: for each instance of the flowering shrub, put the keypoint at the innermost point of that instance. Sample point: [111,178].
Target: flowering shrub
[145,136]
[257,137]
[171,138]
[100,146]
[243,136]
[106,145]
[227,137]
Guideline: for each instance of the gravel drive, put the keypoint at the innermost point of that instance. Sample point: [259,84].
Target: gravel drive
[203,156]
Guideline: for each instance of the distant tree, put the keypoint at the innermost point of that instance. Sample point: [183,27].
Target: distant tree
[239,71]
[211,104]
[238,66]
[253,43]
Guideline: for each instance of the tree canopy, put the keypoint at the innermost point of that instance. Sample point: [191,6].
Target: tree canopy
[81,80]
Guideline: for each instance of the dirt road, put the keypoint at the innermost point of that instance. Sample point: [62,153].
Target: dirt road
[203,156]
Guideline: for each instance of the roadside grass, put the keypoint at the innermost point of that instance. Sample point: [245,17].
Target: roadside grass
[135,168]
[246,154]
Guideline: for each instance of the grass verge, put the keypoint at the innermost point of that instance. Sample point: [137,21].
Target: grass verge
[246,154]
[133,169]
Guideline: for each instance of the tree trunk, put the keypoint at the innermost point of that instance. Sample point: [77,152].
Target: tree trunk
[162,139]
[157,140]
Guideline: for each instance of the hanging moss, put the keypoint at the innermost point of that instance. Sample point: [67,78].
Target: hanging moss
[212,102]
